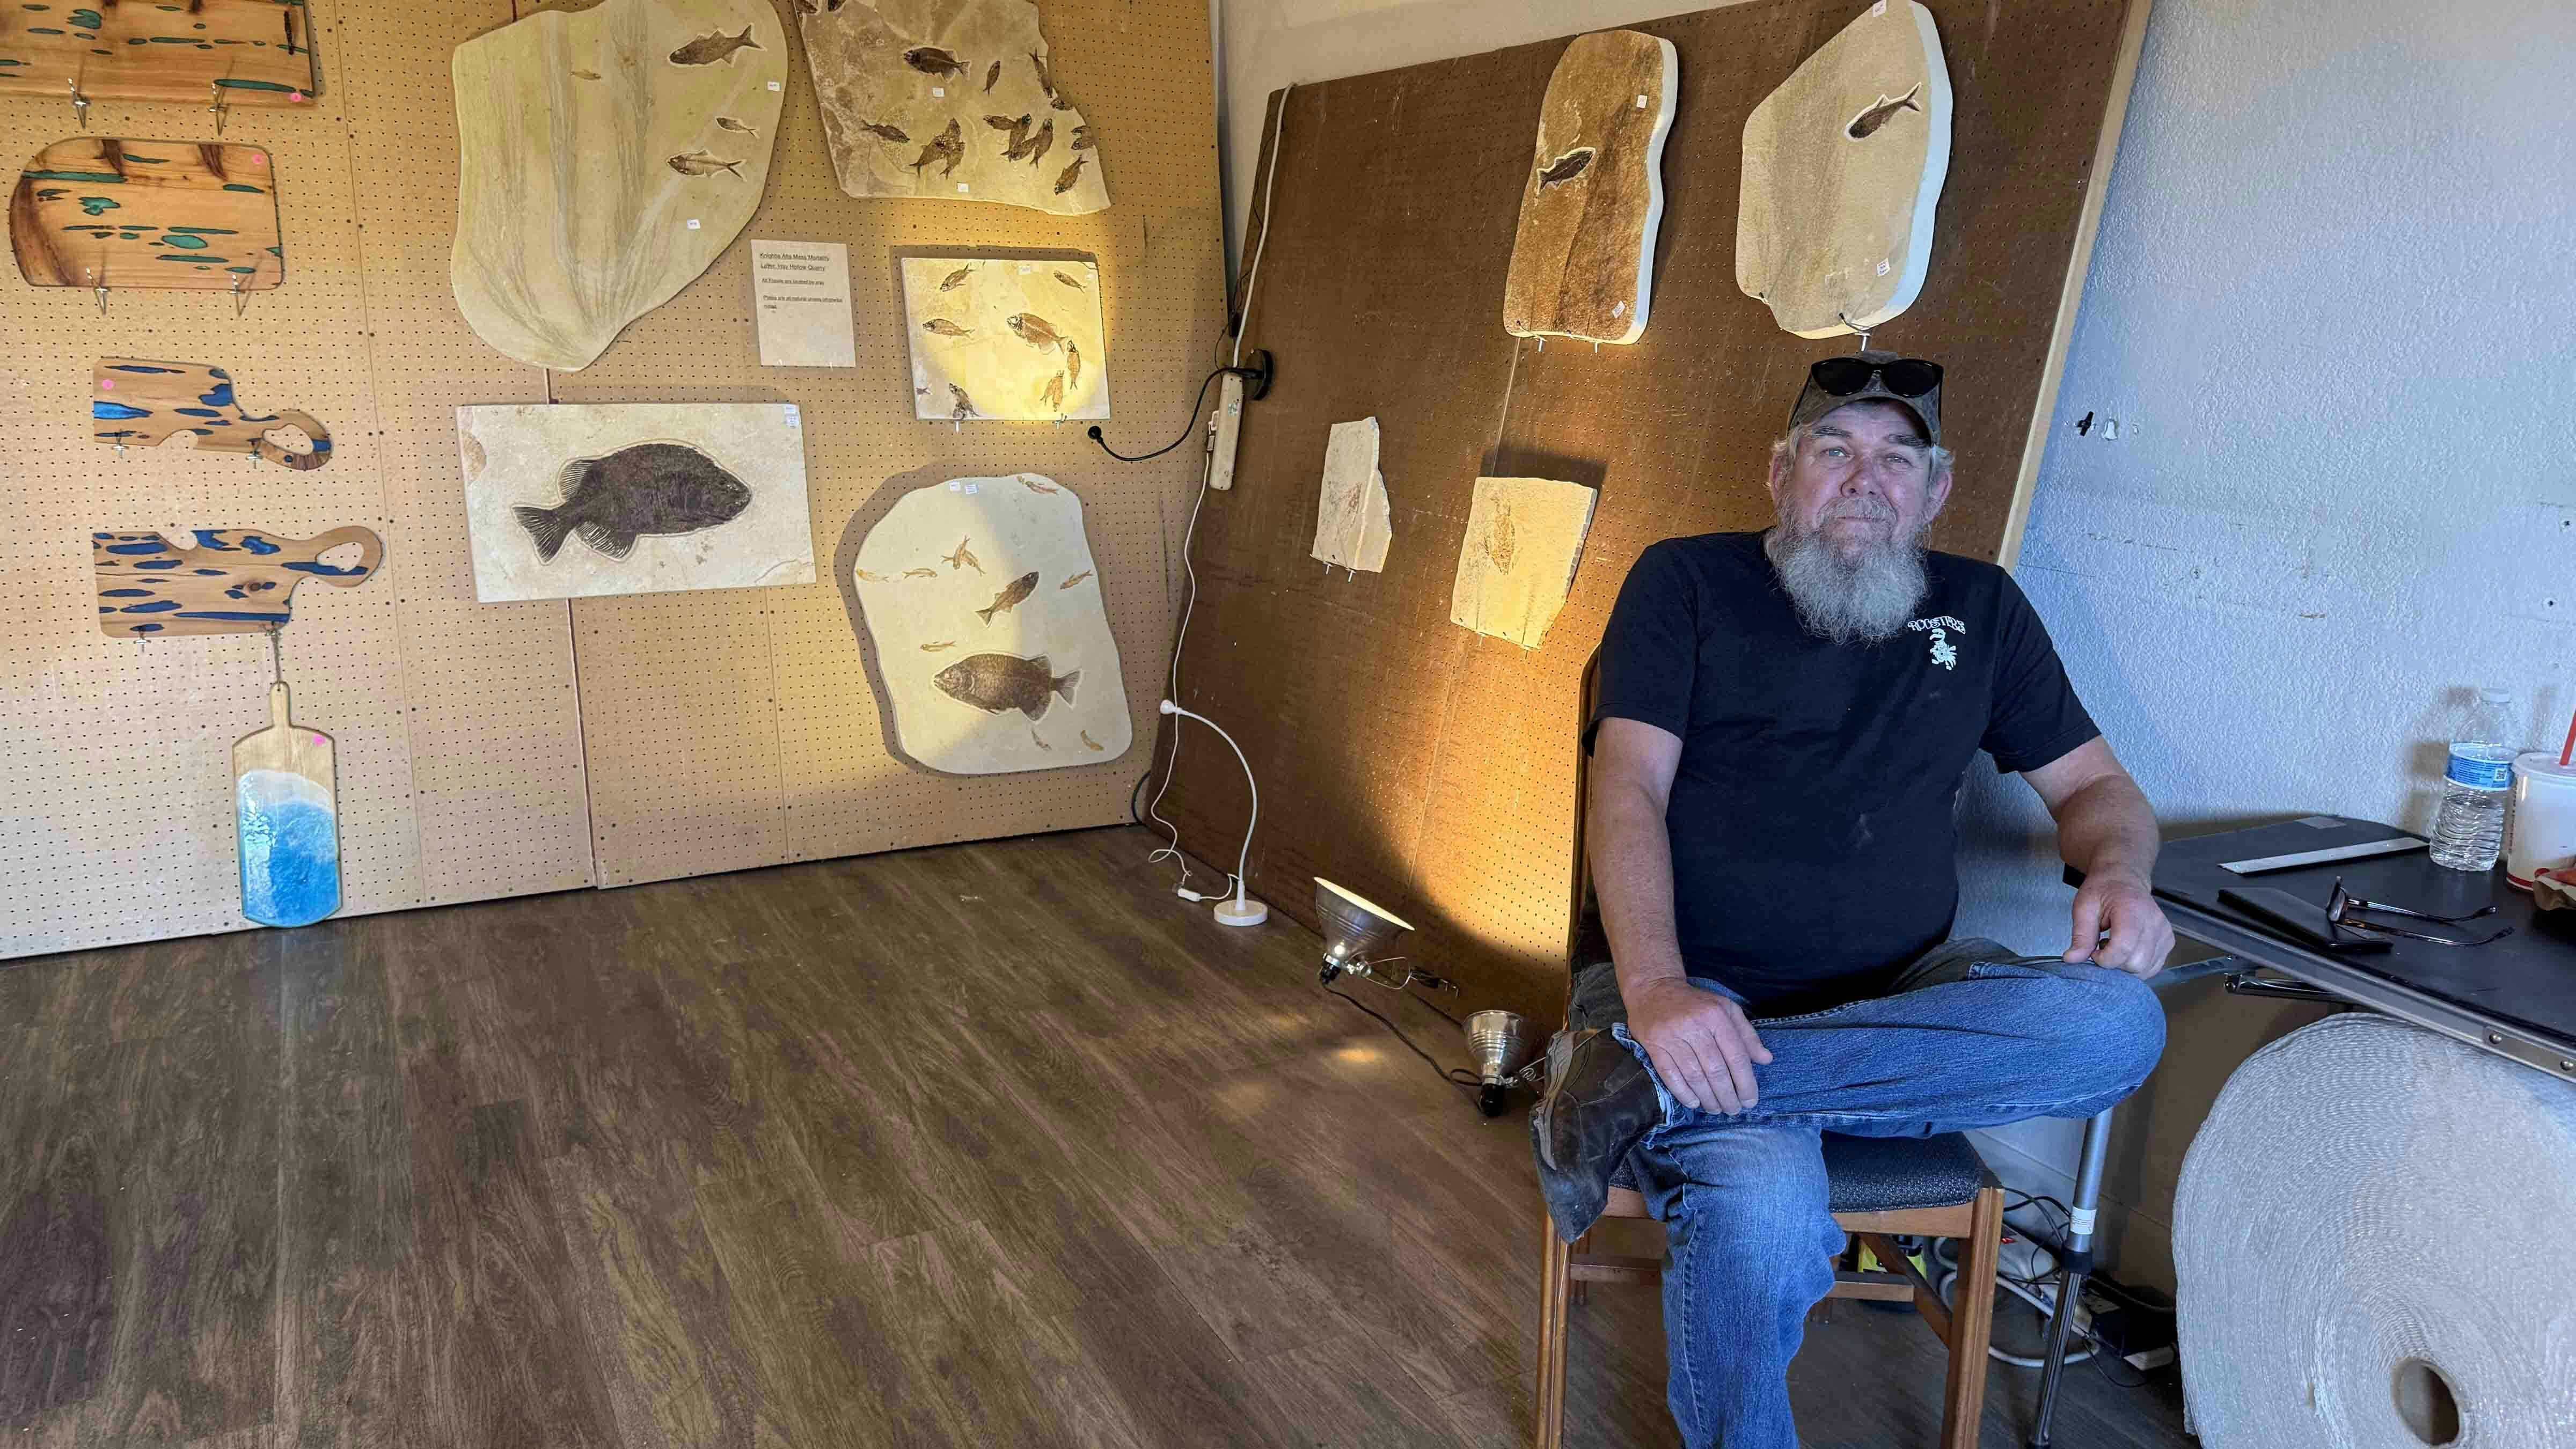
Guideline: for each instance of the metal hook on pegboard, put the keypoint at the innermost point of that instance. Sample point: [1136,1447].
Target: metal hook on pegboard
[215,95]
[80,103]
[241,296]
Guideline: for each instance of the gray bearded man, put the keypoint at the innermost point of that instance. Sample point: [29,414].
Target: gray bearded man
[1784,725]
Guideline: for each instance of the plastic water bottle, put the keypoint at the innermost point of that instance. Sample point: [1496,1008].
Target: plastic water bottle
[2474,786]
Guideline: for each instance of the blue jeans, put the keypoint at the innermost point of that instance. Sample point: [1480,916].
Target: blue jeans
[1993,1038]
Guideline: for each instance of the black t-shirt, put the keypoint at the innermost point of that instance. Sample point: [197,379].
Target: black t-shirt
[1815,850]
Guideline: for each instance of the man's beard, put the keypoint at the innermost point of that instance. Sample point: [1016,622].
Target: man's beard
[1865,600]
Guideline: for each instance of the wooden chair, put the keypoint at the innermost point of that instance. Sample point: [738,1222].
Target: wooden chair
[1881,1189]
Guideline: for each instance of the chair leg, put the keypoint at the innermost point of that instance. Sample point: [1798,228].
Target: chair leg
[1972,1323]
[1556,1275]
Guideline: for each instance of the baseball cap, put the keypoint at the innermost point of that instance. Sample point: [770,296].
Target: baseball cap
[1833,382]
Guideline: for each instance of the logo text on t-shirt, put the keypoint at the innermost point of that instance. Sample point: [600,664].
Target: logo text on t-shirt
[1941,627]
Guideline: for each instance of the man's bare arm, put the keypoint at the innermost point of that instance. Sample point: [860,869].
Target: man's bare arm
[1702,1047]
[2106,829]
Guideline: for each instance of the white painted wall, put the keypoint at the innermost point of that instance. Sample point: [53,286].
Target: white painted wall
[2331,306]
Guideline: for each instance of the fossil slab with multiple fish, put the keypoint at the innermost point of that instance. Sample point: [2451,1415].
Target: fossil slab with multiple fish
[955,99]
[988,633]
[609,155]
[1005,338]
[1843,166]
[572,500]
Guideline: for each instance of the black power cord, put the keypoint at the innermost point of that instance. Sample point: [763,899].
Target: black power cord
[1256,383]
[1458,1077]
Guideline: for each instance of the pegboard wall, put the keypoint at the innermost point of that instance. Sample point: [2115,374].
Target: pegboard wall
[491,750]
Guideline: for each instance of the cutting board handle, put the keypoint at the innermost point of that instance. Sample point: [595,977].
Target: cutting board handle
[371,552]
[277,704]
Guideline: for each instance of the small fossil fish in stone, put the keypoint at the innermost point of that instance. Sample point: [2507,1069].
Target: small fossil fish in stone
[936,648]
[1866,124]
[994,683]
[1082,138]
[1502,539]
[730,124]
[1052,395]
[1040,743]
[1042,142]
[1566,167]
[961,559]
[699,163]
[1034,486]
[1046,82]
[1072,174]
[884,132]
[650,488]
[941,326]
[585,75]
[1095,746]
[866,577]
[1072,363]
[931,60]
[921,573]
[1033,330]
[1009,598]
[964,409]
[1070,280]
[955,279]
[708,49]
[1017,128]
[1077,578]
[950,148]
[992,75]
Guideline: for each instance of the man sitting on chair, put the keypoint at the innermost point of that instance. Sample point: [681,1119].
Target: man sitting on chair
[1784,726]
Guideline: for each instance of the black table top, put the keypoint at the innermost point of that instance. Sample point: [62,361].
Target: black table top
[2528,979]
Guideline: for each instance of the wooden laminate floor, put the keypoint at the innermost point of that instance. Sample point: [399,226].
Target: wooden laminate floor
[994,1144]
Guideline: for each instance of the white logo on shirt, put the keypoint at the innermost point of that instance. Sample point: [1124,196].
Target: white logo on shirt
[1941,627]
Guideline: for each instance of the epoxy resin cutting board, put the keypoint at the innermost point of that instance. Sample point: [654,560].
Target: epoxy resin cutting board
[235,581]
[287,817]
[247,52]
[190,216]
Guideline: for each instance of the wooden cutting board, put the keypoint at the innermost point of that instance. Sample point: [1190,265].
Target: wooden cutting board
[1583,260]
[187,216]
[287,820]
[141,404]
[234,581]
[245,52]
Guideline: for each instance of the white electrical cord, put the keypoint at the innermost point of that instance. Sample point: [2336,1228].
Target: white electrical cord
[1242,861]
[1252,284]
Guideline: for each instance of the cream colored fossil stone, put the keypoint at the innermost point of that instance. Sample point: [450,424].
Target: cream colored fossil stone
[992,641]
[1843,166]
[1353,524]
[1583,261]
[951,99]
[1005,338]
[608,156]
[1516,564]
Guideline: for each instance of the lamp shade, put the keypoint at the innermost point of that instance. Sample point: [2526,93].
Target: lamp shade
[1355,927]
[1500,1043]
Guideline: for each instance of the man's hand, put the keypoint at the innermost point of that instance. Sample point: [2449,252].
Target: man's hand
[2118,924]
[1703,1049]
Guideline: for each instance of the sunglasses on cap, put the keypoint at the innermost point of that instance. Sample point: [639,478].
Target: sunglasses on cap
[1850,376]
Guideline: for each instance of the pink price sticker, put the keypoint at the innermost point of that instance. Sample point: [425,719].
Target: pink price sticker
[107,384]
[321,739]
[259,158]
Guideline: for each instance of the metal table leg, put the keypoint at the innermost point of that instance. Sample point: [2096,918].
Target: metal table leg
[2078,1263]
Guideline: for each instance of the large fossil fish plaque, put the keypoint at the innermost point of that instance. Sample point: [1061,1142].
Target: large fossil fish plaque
[227,52]
[188,216]
[1516,564]
[1005,338]
[568,501]
[137,403]
[608,156]
[954,99]
[223,581]
[1843,166]
[1583,261]
[983,604]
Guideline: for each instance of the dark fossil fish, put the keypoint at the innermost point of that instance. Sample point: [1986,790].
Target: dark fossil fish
[1052,395]
[945,328]
[942,646]
[1040,742]
[1566,167]
[708,49]
[1082,138]
[1091,744]
[950,148]
[730,124]
[869,578]
[1033,329]
[1070,280]
[1018,129]
[650,488]
[1046,82]
[921,573]
[1072,363]
[884,132]
[992,75]
[585,75]
[1866,124]
[955,280]
[965,409]
[1502,539]
[961,559]
[699,163]
[1009,598]
[1072,174]
[1041,143]
[931,60]
[994,683]
[1077,578]
[1034,486]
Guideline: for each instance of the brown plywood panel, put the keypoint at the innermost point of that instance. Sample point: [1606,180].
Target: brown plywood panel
[1432,769]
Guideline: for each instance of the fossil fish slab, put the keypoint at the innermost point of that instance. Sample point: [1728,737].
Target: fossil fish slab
[1516,564]
[1583,260]
[1353,524]
[222,581]
[585,203]
[999,667]
[1843,166]
[138,403]
[188,216]
[955,99]
[1005,338]
[567,501]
